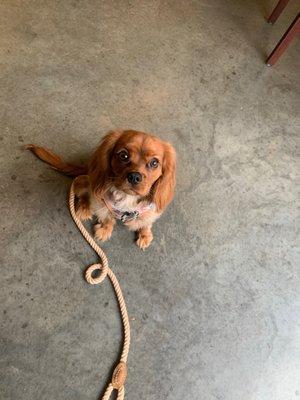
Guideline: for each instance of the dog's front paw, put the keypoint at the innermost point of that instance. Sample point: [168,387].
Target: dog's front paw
[144,239]
[83,213]
[103,232]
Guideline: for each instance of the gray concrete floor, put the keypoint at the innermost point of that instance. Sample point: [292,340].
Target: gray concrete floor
[215,301]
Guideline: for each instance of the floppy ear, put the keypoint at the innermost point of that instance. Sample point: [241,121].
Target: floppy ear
[99,166]
[163,188]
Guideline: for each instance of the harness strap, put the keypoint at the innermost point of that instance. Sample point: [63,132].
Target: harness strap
[126,216]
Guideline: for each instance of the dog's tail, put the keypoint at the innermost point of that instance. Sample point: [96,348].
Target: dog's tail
[56,162]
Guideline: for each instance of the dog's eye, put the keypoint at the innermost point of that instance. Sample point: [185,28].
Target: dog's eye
[153,163]
[123,156]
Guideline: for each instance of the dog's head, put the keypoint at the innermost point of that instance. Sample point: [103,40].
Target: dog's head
[137,163]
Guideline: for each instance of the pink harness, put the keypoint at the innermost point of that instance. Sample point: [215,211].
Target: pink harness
[126,216]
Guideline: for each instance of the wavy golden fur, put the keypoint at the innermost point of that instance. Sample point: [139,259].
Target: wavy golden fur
[130,168]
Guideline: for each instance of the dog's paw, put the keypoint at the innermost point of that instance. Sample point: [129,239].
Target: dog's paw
[83,213]
[144,239]
[103,232]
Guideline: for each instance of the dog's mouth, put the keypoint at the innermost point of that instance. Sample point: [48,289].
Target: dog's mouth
[121,183]
[132,190]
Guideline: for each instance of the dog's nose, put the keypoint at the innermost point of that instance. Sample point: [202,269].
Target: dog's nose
[134,178]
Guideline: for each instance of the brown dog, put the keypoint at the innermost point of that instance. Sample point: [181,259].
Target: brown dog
[130,177]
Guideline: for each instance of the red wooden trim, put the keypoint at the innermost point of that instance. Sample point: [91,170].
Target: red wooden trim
[290,34]
[277,11]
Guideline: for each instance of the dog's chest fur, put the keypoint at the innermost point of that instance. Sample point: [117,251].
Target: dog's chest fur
[125,202]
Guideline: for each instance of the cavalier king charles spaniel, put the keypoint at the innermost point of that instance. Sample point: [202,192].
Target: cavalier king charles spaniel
[130,177]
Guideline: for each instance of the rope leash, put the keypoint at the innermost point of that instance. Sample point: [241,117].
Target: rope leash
[120,372]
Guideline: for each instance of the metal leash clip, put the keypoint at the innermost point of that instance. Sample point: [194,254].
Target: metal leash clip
[129,216]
